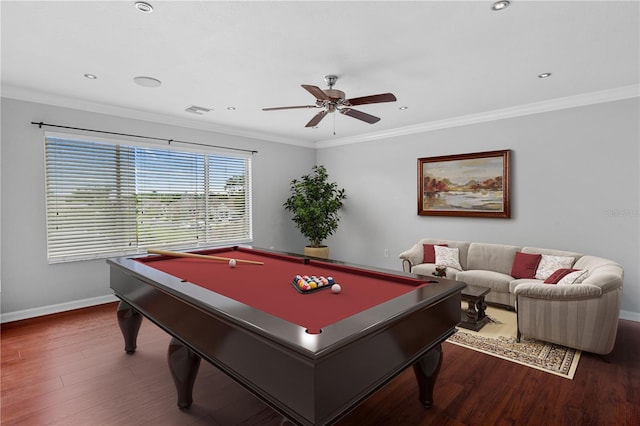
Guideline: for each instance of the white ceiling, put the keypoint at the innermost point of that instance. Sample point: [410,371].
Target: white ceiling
[442,59]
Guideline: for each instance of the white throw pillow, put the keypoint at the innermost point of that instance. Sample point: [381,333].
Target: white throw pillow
[574,277]
[549,264]
[447,256]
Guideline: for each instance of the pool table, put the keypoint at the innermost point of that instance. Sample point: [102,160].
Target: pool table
[311,355]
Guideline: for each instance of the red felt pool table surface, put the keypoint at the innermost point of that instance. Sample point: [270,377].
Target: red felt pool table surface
[268,287]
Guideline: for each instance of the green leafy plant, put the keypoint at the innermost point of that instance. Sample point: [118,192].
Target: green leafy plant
[314,203]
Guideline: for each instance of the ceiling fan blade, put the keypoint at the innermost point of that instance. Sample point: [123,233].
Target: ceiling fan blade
[360,115]
[316,92]
[290,107]
[317,119]
[373,99]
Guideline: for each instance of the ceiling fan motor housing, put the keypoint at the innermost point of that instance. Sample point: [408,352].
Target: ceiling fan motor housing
[334,95]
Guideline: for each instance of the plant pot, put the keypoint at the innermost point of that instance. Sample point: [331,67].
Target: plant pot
[322,252]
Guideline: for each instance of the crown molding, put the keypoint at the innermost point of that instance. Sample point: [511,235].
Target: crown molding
[619,93]
[24,94]
[616,94]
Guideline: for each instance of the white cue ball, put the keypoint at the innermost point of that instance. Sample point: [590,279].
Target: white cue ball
[336,288]
[232,263]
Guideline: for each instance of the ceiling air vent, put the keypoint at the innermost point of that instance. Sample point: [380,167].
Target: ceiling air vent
[197,109]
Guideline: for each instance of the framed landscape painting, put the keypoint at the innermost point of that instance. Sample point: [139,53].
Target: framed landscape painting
[465,185]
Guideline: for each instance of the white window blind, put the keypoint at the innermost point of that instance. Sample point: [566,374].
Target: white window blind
[105,199]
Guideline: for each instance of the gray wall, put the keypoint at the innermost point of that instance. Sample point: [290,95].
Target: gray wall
[29,283]
[575,186]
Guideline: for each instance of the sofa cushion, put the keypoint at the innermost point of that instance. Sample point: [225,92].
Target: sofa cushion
[448,257]
[525,265]
[549,264]
[552,252]
[567,276]
[496,281]
[430,253]
[559,275]
[575,277]
[462,246]
[515,283]
[415,255]
[491,257]
[428,269]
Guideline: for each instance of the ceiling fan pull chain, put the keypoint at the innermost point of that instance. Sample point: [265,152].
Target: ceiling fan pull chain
[334,124]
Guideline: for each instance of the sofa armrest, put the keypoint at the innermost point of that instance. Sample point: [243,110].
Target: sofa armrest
[558,292]
[415,256]
[604,273]
[607,278]
[406,265]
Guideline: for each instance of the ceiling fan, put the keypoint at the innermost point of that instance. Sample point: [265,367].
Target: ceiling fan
[332,100]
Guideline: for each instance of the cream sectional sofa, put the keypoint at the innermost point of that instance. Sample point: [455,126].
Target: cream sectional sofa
[583,315]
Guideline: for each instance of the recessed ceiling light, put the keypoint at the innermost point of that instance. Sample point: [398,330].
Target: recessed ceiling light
[143,7]
[231,108]
[91,76]
[147,81]
[402,108]
[499,5]
[544,75]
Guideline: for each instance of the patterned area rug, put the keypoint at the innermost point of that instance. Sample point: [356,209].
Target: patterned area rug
[498,338]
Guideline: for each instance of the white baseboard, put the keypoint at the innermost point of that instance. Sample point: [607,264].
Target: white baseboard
[629,315]
[54,309]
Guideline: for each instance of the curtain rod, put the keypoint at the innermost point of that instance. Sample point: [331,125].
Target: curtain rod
[169,141]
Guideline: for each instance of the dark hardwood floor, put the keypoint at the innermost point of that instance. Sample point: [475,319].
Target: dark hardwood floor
[70,369]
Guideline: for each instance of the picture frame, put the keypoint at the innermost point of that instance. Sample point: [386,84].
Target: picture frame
[470,185]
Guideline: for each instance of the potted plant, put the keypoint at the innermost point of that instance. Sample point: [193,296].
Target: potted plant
[314,203]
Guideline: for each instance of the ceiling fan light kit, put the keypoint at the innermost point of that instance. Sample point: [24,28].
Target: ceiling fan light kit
[332,100]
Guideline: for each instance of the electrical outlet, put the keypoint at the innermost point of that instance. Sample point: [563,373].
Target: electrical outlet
[386,252]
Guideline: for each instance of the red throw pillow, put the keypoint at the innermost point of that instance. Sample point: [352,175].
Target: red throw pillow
[430,252]
[525,265]
[558,275]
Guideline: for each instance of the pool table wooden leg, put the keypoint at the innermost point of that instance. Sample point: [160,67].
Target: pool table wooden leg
[129,321]
[184,365]
[426,370]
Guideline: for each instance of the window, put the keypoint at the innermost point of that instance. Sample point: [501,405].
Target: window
[106,199]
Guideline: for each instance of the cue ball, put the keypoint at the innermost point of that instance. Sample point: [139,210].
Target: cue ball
[232,263]
[336,288]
